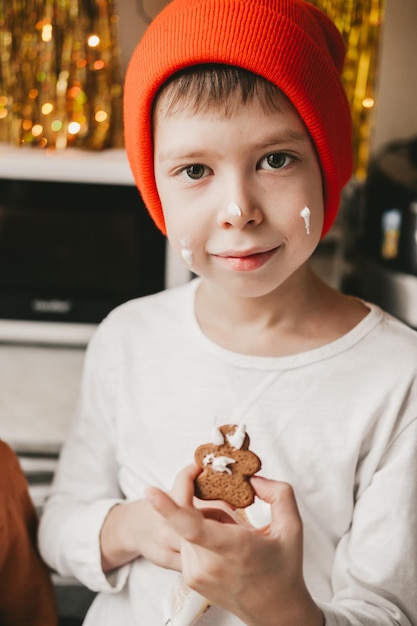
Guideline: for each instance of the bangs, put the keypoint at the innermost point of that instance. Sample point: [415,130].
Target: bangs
[218,88]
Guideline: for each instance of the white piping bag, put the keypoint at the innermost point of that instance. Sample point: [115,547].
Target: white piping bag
[183,606]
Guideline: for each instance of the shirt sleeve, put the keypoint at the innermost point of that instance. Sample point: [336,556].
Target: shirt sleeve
[85,485]
[375,569]
[27,595]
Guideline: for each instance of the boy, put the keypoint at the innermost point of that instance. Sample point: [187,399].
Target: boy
[27,596]
[238,135]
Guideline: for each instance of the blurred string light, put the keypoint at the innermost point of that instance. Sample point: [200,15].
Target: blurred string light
[60,74]
[360,23]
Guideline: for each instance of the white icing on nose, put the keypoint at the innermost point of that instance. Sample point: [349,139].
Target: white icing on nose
[234,209]
[306,215]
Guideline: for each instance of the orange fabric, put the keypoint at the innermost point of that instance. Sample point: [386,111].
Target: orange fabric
[289,42]
[26,592]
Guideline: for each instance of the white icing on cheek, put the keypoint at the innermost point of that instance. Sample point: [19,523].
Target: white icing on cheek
[186,252]
[234,209]
[237,438]
[187,255]
[218,463]
[306,215]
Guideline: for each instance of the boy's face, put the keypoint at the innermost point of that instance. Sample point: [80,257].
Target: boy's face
[265,163]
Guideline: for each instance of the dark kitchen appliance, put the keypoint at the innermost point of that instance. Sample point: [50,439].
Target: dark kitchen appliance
[70,252]
[384,268]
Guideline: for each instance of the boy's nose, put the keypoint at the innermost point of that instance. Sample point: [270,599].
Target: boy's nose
[239,214]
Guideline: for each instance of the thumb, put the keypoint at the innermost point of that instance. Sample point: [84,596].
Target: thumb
[284,513]
[182,491]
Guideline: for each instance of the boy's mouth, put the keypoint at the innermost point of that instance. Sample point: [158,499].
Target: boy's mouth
[245,261]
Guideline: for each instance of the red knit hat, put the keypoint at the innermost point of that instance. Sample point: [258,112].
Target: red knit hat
[289,42]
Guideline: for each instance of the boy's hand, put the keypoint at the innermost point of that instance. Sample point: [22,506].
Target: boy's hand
[136,529]
[254,573]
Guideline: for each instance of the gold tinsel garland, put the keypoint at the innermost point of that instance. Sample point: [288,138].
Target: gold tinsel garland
[60,78]
[359,21]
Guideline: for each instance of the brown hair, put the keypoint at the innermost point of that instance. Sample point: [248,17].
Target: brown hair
[208,87]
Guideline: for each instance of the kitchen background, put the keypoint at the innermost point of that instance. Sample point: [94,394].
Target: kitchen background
[41,357]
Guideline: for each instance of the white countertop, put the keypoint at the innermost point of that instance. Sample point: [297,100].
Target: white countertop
[69,165]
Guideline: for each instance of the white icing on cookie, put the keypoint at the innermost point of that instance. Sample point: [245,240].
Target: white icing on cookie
[237,438]
[217,436]
[218,463]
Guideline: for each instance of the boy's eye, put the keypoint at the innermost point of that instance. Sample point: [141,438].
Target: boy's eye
[276,160]
[195,172]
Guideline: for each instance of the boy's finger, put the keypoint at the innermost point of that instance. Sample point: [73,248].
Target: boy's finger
[182,491]
[190,523]
[186,521]
[284,509]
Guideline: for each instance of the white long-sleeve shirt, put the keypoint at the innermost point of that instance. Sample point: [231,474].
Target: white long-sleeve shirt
[339,423]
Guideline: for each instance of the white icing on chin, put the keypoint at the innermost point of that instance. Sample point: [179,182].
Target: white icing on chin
[218,463]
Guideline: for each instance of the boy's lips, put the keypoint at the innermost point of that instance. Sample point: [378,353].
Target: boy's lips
[245,261]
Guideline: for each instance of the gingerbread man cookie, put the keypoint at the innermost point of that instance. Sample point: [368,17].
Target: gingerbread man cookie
[227,465]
